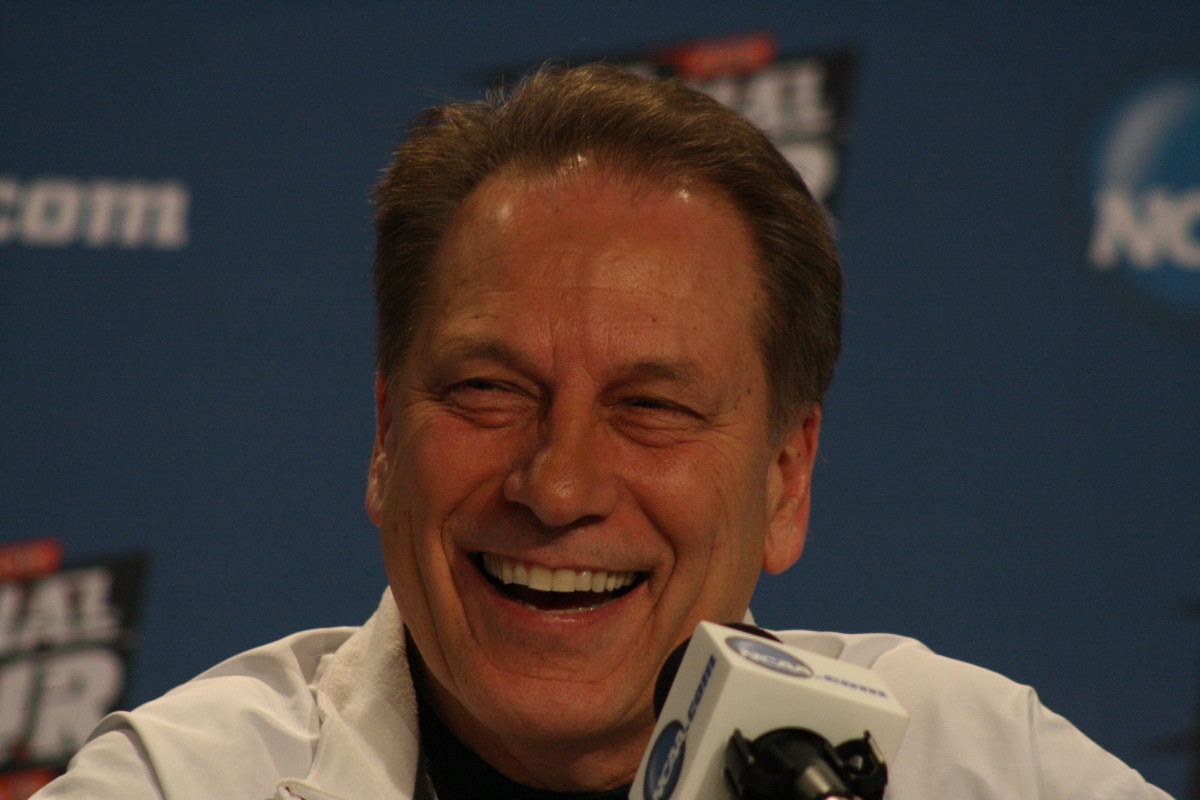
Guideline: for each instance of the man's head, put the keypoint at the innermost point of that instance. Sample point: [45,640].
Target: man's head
[579,452]
[661,131]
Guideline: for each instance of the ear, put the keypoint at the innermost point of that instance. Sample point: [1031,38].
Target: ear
[378,472]
[789,494]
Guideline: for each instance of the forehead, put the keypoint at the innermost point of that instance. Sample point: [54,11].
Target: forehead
[597,269]
[590,227]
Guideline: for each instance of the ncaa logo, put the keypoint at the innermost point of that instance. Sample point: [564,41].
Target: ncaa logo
[763,654]
[1143,196]
[666,761]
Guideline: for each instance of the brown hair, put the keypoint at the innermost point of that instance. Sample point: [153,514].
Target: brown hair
[657,130]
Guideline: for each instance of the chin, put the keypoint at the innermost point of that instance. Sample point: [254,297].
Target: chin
[567,714]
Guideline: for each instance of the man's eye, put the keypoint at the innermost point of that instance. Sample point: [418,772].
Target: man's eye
[651,403]
[659,406]
[483,391]
[488,402]
[477,384]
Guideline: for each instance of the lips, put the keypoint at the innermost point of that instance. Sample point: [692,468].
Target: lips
[561,590]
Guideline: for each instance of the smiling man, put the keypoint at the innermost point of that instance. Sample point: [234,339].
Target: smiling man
[574,463]
[580,454]
[608,313]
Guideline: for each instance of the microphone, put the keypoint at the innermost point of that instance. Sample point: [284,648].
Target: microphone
[751,718]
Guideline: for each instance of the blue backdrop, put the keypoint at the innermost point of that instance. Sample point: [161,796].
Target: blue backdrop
[1011,463]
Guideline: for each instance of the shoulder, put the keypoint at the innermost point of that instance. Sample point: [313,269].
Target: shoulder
[279,676]
[974,733]
[228,732]
[930,686]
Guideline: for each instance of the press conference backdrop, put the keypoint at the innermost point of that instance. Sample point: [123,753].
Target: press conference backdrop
[1010,466]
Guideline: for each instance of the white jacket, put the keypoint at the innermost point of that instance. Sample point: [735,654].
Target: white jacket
[331,715]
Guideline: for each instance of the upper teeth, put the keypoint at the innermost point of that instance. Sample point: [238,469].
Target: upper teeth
[544,579]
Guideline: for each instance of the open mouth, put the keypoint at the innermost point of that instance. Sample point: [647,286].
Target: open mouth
[562,591]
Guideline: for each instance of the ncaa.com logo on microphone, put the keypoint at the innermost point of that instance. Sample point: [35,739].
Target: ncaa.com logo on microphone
[670,747]
[1142,197]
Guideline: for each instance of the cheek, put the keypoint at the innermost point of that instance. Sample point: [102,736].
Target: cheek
[437,480]
[709,501]
[441,467]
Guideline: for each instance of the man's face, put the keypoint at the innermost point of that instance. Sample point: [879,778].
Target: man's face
[573,465]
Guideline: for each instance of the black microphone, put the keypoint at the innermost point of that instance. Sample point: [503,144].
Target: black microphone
[742,715]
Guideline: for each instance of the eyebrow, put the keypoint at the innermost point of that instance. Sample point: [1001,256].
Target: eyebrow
[685,372]
[461,348]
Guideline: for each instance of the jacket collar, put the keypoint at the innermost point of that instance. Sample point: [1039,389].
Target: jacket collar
[368,747]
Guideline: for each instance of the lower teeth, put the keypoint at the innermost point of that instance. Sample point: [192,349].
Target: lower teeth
[559,602]
[569,610]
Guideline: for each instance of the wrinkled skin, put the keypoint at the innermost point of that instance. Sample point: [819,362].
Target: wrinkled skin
[584,390]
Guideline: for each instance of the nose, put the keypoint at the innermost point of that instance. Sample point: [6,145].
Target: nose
[566,478]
